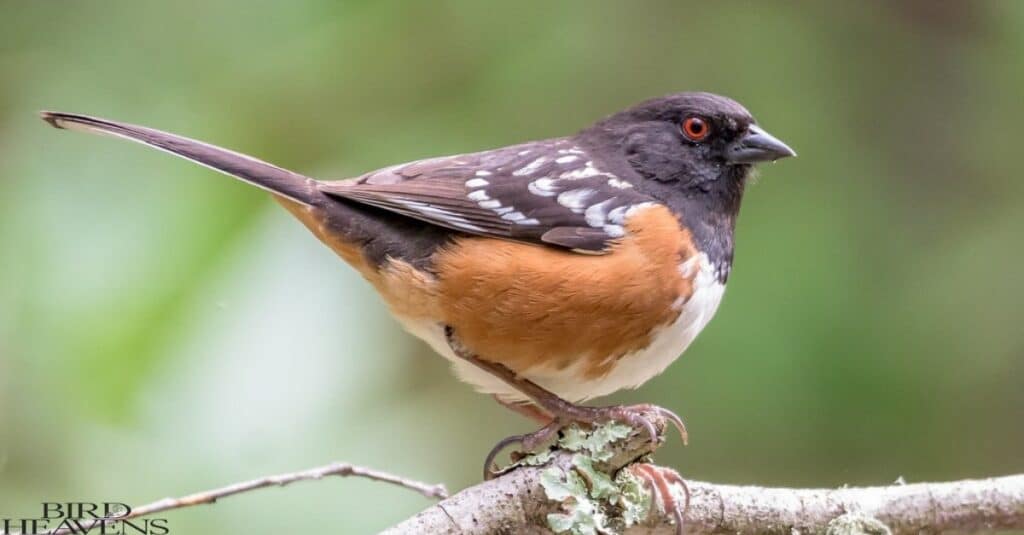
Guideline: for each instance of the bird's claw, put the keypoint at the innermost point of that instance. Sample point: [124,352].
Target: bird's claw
[638,416]
[658,479]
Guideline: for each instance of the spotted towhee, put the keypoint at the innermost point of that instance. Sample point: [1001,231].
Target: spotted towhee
[550,272]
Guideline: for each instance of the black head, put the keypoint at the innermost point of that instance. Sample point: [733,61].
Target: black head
[691,139]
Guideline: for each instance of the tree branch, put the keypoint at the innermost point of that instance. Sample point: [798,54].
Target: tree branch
[519,502]
[516,503]
[280,480]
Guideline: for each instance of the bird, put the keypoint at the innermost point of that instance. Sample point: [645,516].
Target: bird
[549,272]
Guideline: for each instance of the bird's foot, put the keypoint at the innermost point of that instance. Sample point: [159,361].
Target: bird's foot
[659,480]
[528,442]
[640,417]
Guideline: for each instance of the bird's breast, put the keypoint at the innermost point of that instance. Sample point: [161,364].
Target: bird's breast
[578,374]
[581,325]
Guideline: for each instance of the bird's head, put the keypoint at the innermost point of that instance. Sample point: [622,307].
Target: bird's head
[696,141]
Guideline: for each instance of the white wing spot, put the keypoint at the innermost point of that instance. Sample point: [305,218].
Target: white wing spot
[483,173]
[478,195]
[576,199]
[622,213]
[449,217]
[637,207]
[567,159]
[615,231]
[513,216]
[543,187]
[530,221]
[619,183]
[617,215]
[492,204]
[596,214]
[531,167]
[583,172]
[476,183]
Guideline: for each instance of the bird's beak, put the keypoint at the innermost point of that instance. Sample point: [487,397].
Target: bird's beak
[757,146]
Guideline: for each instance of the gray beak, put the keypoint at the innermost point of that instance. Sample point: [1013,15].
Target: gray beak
[757,146]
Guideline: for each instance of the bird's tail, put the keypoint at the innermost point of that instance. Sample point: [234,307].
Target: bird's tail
[261,174]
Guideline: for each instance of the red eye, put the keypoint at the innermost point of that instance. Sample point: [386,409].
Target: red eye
[696,128]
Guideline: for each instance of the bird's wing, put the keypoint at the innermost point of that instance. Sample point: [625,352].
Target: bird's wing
[544,192]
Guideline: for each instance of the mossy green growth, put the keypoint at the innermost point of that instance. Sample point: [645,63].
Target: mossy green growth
[595,442]
[583,515]
[633,500]
[591,501]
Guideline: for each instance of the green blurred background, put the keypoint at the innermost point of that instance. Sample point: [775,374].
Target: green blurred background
[164,329]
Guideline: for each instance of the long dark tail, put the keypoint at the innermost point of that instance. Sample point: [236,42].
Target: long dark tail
[279,181]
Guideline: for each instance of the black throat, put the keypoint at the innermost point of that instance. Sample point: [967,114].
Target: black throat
[709,210]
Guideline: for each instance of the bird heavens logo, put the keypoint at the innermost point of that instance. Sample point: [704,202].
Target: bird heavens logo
[84,518]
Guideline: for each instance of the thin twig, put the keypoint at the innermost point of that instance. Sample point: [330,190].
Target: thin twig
[211,496]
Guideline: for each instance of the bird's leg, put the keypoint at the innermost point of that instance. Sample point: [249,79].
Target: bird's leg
[658,479]
[562,411]
[528,410]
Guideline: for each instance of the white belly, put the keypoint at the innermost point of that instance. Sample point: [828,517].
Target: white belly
[632,370]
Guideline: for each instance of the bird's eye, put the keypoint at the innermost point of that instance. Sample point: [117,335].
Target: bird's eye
[696,128]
